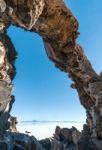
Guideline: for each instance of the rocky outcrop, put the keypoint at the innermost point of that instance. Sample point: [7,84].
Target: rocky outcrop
[12,124]
[63,139]
[71,139]
[7,72]
[59,30]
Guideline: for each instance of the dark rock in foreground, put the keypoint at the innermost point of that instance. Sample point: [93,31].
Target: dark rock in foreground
[63,139]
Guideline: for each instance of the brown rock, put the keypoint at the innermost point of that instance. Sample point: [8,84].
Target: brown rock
[13,122]
[59,30]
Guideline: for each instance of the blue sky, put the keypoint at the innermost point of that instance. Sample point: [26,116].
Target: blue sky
[42,91]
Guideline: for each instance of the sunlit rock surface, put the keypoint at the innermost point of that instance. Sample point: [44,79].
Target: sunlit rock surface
[59,30]
[7,72]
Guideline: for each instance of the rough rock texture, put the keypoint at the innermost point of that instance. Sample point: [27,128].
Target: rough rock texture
[7,72]
[62,140]
[12,124]
[59,30]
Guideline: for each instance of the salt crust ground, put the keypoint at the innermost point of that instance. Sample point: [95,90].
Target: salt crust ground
[45,130]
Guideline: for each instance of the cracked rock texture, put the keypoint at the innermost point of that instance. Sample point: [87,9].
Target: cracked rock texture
[7,72]
[59,29]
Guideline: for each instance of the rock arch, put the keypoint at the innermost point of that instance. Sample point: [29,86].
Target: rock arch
[59,30]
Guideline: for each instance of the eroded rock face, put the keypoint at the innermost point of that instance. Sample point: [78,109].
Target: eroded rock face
[59,30]
[12,124]
[7,72]
[67,136]
[19,141]
[2,5]
[25,13]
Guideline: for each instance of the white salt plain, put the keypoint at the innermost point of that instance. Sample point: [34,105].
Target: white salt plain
[45,130]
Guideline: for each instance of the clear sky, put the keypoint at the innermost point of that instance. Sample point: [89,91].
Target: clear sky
[42,91]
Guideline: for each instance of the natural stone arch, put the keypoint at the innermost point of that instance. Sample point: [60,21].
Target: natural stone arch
[59,30]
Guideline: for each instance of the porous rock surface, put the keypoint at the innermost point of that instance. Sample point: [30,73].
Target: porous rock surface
[59,29]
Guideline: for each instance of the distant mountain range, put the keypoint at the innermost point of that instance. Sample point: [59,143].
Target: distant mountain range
[45,121]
